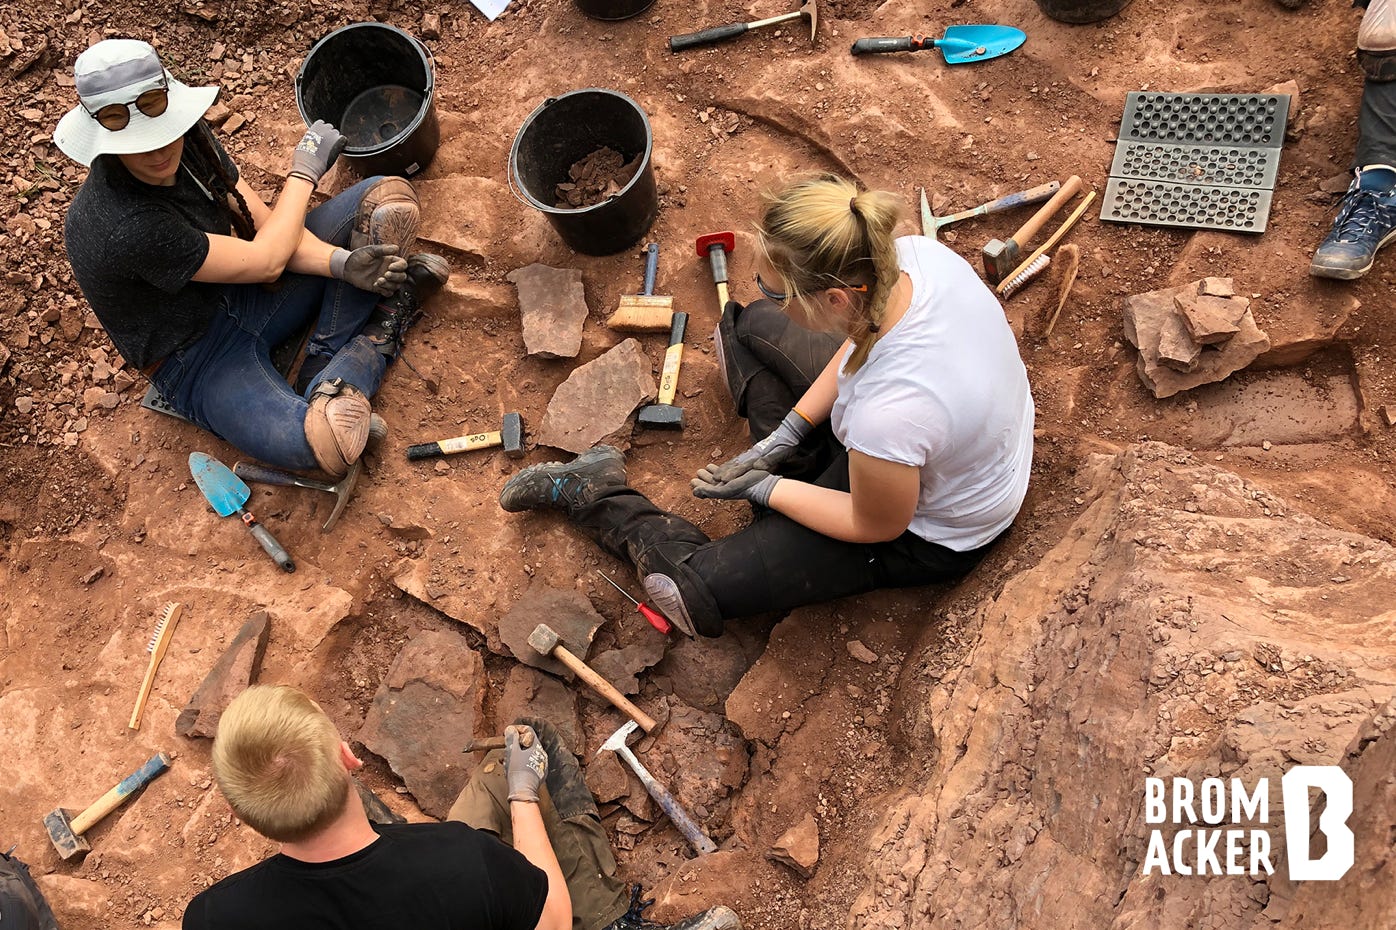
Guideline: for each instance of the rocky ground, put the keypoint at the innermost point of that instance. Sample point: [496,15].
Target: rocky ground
[1198,584]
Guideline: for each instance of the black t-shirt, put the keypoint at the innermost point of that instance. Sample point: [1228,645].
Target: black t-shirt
[134,248]
[424,876]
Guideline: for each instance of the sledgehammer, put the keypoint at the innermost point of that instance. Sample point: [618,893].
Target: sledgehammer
[66,832]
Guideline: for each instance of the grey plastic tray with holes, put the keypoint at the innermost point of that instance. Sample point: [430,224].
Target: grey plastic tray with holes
[1193,206]
[154,400]
[1205,119]
[1197,164]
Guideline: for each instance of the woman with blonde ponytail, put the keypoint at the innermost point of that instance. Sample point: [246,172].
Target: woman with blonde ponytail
[889,409]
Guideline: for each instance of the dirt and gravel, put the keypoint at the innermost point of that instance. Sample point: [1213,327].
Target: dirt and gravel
[100,523]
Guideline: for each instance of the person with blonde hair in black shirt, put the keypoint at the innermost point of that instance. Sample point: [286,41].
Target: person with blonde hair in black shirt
[522,848]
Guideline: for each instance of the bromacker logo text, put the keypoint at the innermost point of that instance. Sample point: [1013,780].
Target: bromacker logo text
[1223,827]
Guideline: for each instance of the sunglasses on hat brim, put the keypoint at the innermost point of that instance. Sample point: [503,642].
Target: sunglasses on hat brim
[117,116]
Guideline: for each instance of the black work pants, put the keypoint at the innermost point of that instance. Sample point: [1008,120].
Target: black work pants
[775,564]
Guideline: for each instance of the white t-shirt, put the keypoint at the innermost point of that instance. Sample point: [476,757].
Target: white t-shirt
[945,390]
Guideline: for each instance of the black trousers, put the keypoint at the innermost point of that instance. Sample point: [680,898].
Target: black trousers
[775,564]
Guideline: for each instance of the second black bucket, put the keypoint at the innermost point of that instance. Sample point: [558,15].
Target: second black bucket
[613,9]
[562,131]
[374,83]
[1081,11]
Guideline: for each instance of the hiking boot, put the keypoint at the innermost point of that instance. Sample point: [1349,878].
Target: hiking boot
[1366,221]
[714,918]
[388,215]
[663,592]
[564,485]
[1376,40]
[389,321]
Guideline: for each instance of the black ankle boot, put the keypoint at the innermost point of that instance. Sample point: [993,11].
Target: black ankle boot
[565,485]
[387,325]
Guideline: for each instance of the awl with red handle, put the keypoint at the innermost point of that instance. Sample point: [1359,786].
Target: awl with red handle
[656,619]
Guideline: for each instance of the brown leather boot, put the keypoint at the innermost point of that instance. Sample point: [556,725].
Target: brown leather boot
[337,425]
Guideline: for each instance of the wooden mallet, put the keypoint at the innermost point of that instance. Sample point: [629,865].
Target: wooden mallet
[66,832]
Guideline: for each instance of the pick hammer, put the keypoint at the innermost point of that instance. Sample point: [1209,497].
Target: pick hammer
[666,801]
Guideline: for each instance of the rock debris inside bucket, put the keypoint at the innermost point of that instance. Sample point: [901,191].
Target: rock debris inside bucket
[596,177]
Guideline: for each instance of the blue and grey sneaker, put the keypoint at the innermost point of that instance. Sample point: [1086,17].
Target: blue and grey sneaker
[564,485]
[1366,221]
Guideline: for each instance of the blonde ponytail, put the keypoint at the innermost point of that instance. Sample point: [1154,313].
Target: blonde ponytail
[820,232]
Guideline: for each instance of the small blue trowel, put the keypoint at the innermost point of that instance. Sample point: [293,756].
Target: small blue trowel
[226,493]
[961,45]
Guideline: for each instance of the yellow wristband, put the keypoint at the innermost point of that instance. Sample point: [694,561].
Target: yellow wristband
[802,415]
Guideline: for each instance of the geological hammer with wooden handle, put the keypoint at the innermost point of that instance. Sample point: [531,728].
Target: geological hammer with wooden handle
[1001,257]
[66,833]
[545,641]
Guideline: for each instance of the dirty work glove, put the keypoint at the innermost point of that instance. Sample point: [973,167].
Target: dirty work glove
[374,268]
[316,151]
[766,454]
[754,486]
[525,763]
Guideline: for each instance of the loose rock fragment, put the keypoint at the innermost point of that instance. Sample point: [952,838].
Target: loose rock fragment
[597,399]
[798,847]
[235,669]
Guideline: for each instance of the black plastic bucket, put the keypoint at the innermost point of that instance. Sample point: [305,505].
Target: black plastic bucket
[375,84]
[613,9]
[566,129]
[1081,11]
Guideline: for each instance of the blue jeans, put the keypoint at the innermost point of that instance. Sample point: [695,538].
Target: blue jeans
[225,382]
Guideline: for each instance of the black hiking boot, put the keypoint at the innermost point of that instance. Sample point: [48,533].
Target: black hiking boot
[714,918]
[564,485]
[387,325]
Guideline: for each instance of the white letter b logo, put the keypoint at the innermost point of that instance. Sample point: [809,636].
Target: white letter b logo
[1332,823]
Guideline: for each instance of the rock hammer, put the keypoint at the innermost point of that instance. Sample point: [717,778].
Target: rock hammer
[1001,258]
[810,9]
[66,831]
[670,804]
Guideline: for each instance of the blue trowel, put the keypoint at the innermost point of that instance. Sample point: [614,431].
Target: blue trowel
[961,45]
[226,493]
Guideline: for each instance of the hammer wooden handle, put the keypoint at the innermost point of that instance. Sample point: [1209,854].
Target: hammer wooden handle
[1033,226]
[604,688]
[428,450]
[118,795]
[1062,230]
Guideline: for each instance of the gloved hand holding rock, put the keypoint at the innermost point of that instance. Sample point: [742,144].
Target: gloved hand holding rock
[754,486]
[316,152]
[525,763]
[765,455]
[376,268]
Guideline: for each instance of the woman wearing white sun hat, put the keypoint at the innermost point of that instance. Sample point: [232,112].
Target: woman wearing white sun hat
[173,249]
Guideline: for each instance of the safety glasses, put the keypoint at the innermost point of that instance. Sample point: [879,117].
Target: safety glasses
[117,116]
[771,293]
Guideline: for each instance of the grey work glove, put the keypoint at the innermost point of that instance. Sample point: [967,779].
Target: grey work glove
[754,486]
[525,763]
[374,268]
[765,455]
[316,151]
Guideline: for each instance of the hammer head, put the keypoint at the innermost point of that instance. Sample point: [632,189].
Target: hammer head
[618,739]
[543,639]
[1000,258]
[811,9]
[661,416]
[705,242]
[58,823]
[511,435]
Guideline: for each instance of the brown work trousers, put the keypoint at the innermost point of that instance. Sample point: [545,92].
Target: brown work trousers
[578,839]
